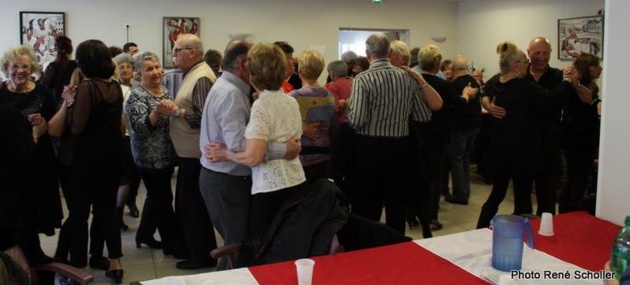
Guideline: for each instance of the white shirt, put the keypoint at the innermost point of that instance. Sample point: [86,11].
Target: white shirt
[275,117]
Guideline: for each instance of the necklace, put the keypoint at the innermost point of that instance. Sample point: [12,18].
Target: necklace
[154,93]
[27,88]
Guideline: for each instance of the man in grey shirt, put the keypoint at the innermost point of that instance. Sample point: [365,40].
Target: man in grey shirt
[226,185]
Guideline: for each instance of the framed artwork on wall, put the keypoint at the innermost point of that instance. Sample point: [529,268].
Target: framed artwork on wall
[38,30]
[580,35]
[172,27]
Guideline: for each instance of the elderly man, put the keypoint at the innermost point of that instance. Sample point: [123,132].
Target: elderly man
[226,185]
[465,123]
[539,52]
[381,102]
[186,112]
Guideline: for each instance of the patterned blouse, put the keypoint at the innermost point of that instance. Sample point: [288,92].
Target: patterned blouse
[151,146]
[275,117]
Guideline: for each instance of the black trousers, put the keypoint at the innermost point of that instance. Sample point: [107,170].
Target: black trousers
[95,180]
[158,207]
[342,148]
[522,188]
[579,170]
[547,180]
[197,228]
[382,164]
[265,206]
[434,154]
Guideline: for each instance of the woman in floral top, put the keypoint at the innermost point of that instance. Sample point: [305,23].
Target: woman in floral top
[153,154]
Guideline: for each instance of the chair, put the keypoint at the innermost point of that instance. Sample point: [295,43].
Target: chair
[230,251]
[76,275]
[305,225]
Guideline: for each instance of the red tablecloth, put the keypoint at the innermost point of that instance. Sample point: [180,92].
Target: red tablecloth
[405,263]
[579,238]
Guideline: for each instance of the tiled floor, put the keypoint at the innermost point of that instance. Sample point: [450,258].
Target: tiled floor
[145,263]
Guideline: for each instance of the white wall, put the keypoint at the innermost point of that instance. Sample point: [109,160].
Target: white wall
[472,28]
[482,24]
[613,201]
[301,23]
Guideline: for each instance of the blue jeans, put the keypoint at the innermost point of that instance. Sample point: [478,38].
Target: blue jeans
[462,144]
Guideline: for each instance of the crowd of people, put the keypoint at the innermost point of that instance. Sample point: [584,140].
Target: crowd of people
[250,128]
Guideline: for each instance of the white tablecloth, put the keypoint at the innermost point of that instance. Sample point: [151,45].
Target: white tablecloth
[240,276]
[472,251]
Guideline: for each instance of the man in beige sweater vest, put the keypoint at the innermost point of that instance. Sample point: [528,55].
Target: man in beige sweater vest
[186,110]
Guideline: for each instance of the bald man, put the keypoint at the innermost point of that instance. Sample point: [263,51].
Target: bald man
[465,123]
[186,113]
[546,181]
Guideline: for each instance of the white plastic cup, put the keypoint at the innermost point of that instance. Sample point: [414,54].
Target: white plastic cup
[304,271]
[546,225]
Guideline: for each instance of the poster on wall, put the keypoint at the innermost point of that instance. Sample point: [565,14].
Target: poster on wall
[580,35]
[38,30]
[173,27]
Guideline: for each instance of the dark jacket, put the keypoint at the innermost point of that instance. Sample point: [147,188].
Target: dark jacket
[304,226]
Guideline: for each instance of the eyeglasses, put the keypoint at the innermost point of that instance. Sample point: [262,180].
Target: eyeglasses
[177,50]
[23,66]
[525,61]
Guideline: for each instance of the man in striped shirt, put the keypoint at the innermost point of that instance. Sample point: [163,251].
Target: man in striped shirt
[382,101]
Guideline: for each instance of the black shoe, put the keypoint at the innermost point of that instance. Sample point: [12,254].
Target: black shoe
[177,252]
[190,264]
[151,242]
[99,262]
[413,224]
[436,225]
[116,275]
[133,211]
[455,201]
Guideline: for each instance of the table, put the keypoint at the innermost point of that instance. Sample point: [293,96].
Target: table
[580,240]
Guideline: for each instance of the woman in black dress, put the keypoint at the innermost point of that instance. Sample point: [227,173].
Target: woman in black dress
[34,102]
[515,136]
[580,133]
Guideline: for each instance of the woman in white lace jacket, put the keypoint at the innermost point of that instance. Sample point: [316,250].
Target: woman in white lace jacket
[275,117]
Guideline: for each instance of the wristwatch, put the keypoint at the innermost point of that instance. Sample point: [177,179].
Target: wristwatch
[177,113]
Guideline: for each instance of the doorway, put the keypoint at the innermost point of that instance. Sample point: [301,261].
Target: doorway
[353,39]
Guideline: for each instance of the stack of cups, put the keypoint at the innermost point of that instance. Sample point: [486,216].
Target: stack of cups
[304,271]
[546,225]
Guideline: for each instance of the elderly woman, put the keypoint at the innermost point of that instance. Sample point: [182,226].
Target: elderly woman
[317,106]
[580,132]
[96,165]
[125,70]
[274,117]
[516,136]
[130,182]
[153,154]
[35,103]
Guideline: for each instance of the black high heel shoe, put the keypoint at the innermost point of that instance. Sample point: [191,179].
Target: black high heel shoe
[134,212]
[99,262]
[151,242]
[116,275]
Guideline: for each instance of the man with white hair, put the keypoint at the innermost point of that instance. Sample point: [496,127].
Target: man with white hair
[381,102]
[186,112]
